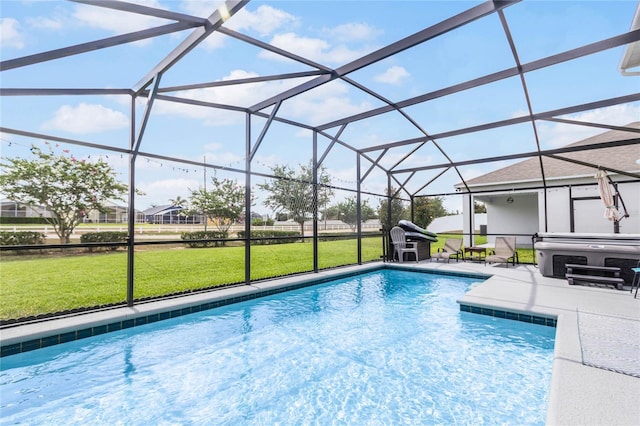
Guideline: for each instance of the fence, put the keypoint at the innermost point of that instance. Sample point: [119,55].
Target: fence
[179,228]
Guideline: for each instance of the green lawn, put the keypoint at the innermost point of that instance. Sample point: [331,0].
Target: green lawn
[33,286]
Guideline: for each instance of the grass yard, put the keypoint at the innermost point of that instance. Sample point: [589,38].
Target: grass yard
[33,286]
[40,285]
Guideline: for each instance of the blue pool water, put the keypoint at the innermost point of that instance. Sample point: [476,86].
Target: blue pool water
[386,347]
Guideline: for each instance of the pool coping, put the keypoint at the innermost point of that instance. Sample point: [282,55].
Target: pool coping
[579,394]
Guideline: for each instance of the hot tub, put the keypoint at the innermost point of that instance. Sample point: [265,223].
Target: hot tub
[555,250]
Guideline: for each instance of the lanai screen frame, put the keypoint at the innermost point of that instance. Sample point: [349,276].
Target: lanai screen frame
[150,87]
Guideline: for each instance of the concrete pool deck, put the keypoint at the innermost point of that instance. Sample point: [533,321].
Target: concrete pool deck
[579,394]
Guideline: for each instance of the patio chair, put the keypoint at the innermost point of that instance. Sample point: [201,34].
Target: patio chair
[505,249]
[635,283]
[452,247]
[400,244]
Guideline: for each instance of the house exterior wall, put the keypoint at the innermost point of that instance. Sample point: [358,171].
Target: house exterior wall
[520,216]
[524,216]
[631,195]
[504,218]
[589,214]
[558,218]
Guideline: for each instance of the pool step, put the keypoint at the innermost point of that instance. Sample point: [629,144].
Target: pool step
[614,270]
[609,275]
[616,281]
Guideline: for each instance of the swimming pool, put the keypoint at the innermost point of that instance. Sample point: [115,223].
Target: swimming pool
[385,347]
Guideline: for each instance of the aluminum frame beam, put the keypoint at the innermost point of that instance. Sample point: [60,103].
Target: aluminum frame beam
[548,115]
[547,152]
[92,45]
[436,30]
[144,10]
[497,76]
[214,22]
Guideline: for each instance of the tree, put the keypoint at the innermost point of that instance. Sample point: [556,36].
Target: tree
[291,192]
[66,187]
[425,209]
[348,212]
[398,210]
[223,205]
[179,201]
[182,203]
[331,213]
[479,207]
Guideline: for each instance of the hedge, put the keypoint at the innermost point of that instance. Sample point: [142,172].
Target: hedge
[277,237]
[21,238]
[204,235]
[104,237]
[260,222]
[7,220]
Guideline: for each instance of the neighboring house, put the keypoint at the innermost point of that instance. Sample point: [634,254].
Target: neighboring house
[10,208]
[170,214]
[515,198]
[113,214]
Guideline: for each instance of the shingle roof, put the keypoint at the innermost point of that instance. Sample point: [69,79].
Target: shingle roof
[617,157]
[159,210]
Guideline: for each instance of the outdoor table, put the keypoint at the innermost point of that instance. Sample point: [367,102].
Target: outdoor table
[476,254]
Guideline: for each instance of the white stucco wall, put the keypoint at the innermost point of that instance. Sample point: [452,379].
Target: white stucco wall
[558,219]
[588,214]
[631,194]
[526,215]
[518,217]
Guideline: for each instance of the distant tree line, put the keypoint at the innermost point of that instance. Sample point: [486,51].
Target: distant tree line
[69,189]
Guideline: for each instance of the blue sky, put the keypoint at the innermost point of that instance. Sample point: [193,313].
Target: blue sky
[331,33]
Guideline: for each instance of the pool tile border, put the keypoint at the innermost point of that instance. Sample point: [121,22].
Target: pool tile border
[30,345]
[514,316]
[33,344]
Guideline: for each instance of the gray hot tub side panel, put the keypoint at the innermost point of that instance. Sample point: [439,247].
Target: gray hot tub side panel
[595,253]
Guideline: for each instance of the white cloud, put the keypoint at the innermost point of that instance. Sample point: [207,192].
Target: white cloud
[324,103]
[118,22]
[201,9]
[558,134]
[46,23]
[86,118]
[519,113]
[265,20]
[159,192]
[303,133]
[394,75]
[213,146]
[214,155]
[239,95]
[316,49]
[352,31]
[11,33]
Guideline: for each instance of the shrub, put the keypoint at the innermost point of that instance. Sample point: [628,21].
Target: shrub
[104,237]
[21,238]
[7,220]
[192,237]
[274,237]
[260,222]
